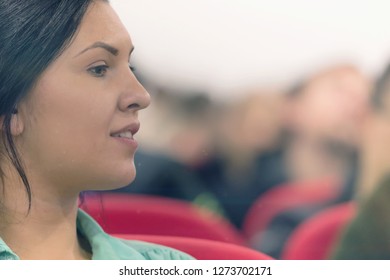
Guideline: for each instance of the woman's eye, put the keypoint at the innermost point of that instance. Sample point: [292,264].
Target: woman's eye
[98,71]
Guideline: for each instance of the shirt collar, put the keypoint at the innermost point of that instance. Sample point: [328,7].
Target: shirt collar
[6,253]
[103,245]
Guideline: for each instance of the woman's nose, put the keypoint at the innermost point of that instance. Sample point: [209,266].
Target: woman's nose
[135,96]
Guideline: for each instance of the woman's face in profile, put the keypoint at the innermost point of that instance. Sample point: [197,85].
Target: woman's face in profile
[78,121]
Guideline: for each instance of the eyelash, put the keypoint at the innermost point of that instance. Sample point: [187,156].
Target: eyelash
[96,70]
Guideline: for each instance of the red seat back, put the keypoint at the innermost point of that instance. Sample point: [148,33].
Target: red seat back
[202,249]
[283,198]
[142,214]
[314,239]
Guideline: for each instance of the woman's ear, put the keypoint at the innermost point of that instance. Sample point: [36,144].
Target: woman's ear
[16,124]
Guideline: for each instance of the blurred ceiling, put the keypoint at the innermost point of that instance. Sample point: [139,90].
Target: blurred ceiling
[222,45]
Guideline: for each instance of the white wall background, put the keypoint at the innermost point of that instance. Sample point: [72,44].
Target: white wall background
[218,45]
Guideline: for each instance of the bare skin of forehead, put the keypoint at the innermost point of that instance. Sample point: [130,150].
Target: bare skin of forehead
[100,23]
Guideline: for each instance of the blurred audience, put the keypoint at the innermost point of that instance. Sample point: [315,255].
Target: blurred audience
[324,124]
[224,156]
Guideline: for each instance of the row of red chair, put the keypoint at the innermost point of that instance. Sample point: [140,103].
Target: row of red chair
[179,224]
[143,214]
[182,225]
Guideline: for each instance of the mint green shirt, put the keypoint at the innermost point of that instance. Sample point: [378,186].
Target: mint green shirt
[106,247]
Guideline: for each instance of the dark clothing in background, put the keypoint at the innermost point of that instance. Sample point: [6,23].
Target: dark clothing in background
[368,235]
[279,230]
[237,196]
[162,176]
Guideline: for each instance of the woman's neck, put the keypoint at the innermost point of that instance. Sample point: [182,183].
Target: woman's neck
[46,231]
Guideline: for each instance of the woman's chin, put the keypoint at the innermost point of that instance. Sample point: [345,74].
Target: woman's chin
[117,182]
[122,183]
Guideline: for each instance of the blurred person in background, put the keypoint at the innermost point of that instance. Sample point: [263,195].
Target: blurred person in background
[368,234]
[324,123]
[323,118]
[247,160]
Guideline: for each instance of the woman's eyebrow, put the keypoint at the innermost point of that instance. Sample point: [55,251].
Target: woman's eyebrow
[107,47]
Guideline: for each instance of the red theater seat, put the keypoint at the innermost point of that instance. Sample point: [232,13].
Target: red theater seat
[314,239]
[142,214]
[202,249]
